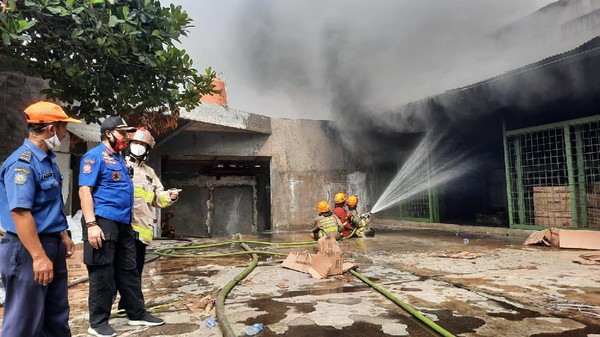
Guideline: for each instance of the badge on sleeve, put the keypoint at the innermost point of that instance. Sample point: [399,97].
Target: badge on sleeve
[87,168]
[20,178]
[116,176]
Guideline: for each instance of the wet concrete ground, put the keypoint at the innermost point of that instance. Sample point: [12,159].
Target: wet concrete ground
[510,290]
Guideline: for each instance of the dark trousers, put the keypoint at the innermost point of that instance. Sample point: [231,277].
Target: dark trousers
[30,309]
[140,255]
[113,264]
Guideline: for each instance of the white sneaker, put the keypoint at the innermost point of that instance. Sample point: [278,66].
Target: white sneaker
[102,331]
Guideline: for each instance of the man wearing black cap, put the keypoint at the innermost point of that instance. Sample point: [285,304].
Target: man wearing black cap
[106,193]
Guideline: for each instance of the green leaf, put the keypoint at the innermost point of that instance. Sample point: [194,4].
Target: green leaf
[54,10]
[25,25]
[125,10]
[6,39]
[113,21]
[101,40]
[156,32]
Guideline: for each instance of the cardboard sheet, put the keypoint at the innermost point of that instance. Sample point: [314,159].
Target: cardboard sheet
[327,262]
[580,239]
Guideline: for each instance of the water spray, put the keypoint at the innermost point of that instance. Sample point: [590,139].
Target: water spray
[434,162]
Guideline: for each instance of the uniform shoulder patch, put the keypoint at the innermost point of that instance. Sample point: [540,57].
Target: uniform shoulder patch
[25,156]
[87,168]
[20,178]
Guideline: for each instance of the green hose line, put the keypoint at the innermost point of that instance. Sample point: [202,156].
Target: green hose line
[220,304]
[169,251]
[226,328]
[404,305]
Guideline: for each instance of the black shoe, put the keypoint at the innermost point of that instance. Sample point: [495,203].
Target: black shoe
[102,331]
[147,320]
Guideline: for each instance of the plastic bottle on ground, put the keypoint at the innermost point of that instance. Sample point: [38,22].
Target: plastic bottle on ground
[210,323]
[253,329]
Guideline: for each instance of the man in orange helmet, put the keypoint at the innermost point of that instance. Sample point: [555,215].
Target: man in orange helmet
[326,223]
[358,221]
[340,211]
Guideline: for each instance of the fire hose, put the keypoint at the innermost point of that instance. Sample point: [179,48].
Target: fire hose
[224,324]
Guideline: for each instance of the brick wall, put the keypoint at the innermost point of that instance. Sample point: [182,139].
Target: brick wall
[17,91]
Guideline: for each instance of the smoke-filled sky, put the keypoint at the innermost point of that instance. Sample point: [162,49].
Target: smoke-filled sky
[309,58]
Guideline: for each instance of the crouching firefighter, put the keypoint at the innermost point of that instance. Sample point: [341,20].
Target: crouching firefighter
[326,223]
[358,221]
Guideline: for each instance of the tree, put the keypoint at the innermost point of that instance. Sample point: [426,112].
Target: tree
[106,56]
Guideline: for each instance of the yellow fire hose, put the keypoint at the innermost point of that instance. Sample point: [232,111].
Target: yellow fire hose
[226,328]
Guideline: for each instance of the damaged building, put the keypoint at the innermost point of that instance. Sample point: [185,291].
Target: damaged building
[532,133]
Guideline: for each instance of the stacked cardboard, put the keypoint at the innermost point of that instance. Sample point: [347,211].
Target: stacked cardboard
[593,199]
[552,206]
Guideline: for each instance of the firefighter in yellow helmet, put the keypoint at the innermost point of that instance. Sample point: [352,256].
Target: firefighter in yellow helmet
[358,221]
[340,211]
[326,223]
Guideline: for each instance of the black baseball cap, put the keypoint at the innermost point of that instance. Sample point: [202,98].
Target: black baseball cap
[115,123]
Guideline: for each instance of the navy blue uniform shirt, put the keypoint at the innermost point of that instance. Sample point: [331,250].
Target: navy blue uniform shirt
[30,179]
[112,190]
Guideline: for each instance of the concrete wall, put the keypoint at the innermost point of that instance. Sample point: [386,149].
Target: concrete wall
[308,164]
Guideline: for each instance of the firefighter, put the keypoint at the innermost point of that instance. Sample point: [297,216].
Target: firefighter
[340,211]
[148,193]
[358,221]
[326,223]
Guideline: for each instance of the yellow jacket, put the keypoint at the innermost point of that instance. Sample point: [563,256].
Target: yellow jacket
[148,193]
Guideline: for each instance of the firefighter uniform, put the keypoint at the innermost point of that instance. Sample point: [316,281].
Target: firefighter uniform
[30,179]
[148,194]
[358,222]
[326,224]
[113,263]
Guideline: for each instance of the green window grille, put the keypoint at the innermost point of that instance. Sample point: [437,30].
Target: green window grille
[553,175]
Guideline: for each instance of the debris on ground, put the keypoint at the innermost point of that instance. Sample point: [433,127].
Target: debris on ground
[460,255]
[327,262]
[524,266]
[282,285]
[547,237]
[588,259]
[563,238]
[205,303]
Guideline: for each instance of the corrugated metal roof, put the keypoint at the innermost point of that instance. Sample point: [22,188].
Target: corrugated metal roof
[205,113]
[224,116]
[87,132]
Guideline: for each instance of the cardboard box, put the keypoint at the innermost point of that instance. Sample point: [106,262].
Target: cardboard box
[555,201]
[327,262]
[580,239]
[75,266]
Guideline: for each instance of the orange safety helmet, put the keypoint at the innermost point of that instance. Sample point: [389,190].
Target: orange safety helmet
[323,206]
[339,198]
[352,200]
